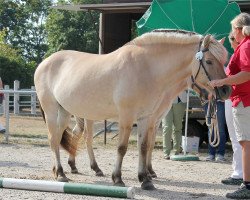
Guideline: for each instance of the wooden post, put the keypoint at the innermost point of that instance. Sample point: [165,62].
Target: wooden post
[16,97]
[7,113]
[33,101]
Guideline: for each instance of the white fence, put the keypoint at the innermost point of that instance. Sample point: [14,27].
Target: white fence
[16,104]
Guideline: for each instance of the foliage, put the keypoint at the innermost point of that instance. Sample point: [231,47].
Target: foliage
[29,29]
[24,21]
[12,66]
[73,30]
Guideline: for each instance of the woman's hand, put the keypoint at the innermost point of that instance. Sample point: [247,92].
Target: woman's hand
[217,83]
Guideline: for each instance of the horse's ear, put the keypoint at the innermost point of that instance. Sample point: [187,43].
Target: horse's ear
[207,40]
[222,40]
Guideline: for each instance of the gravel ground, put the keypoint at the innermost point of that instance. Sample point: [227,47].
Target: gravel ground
[29,157]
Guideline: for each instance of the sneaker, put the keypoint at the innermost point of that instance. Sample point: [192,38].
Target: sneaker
[220,158]
[241,193]
[232,181]
[210,158]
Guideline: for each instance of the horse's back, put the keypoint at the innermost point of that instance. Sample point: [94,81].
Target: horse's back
[77,81]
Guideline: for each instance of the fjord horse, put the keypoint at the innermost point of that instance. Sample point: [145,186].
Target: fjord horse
[134,84]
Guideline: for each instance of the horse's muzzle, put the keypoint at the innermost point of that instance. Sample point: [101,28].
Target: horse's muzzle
[223,92]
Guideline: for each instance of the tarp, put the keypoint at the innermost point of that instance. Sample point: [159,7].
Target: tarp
[200,16]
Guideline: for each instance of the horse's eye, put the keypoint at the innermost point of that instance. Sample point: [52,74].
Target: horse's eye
[209,62]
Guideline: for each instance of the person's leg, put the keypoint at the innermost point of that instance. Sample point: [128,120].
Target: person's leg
[222,126]
[237,152]
[246,162]
[241,122]
[179,111]
[244,191]
[241,117]
[167,128]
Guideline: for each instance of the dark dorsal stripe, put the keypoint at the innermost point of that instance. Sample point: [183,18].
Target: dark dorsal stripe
[174,31]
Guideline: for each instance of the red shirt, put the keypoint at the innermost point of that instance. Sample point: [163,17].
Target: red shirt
[240,61]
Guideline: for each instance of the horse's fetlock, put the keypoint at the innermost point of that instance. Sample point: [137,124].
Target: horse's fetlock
[142,176]
[60,170]
[71,162]
[94,166]
[122,150]
[116,176]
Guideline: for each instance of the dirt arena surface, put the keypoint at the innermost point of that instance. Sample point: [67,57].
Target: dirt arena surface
[28,156]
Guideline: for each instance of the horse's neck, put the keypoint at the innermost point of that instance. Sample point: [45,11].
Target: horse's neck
[175,66]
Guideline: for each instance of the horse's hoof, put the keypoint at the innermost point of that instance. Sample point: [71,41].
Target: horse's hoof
[147,186]
[119,184]
[74,171]
[62,179]
[99,173]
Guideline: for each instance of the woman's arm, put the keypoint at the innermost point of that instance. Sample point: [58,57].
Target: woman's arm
[236,79]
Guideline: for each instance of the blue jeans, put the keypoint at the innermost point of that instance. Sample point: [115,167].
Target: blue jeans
[220,149]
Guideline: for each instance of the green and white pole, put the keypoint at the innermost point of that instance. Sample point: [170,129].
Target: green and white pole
[69,188]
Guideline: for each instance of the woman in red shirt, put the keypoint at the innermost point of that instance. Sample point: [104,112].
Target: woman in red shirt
[238,72]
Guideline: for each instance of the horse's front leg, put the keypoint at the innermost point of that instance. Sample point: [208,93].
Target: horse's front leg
[124,133]
[149,155]
[145,130]
[88,135]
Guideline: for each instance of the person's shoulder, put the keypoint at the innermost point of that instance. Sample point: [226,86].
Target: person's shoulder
[245,44]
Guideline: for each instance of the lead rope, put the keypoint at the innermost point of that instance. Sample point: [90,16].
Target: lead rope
[212,123]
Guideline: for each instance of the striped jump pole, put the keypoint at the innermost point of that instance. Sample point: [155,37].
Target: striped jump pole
[69,188]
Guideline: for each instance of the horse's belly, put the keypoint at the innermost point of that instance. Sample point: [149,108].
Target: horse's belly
[92,111]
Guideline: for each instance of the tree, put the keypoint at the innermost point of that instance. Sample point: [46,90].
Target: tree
[72,30]
[24,21]
[12,65]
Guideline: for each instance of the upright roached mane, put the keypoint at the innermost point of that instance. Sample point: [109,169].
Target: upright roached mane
[135,83]
[172,36]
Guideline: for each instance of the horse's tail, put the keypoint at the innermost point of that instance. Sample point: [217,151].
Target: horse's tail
[68,142]
[71,139]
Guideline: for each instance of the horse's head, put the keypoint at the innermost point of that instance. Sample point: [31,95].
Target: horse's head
[212,57]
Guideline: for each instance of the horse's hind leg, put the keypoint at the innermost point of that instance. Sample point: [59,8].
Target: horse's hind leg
[88,137]
[57,120]
[77,134]
[125,127]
